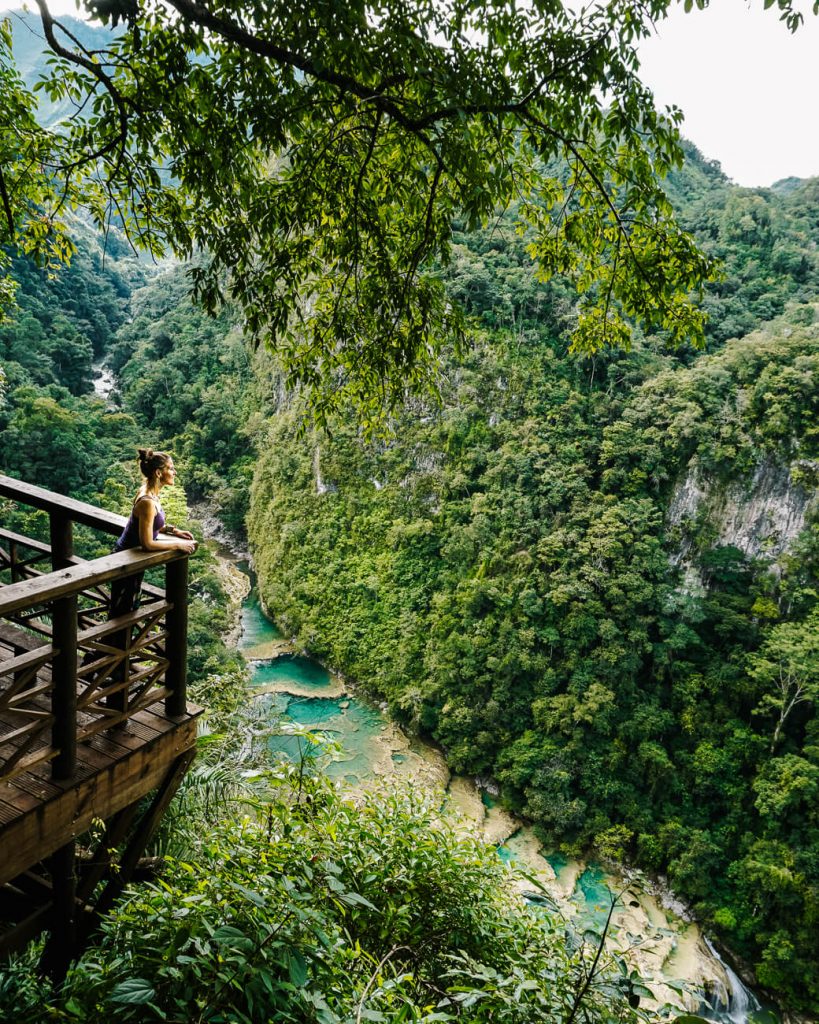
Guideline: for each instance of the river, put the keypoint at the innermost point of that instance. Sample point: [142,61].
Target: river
[649,927]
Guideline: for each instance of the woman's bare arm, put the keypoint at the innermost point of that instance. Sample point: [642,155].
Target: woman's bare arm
[145,511]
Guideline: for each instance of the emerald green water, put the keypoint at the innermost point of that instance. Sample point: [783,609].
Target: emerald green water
[291,669]
[256,627]
[354,729]
[298,696]
[593,897]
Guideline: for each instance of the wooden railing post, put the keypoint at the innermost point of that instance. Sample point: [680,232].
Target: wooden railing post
[61,947]
[176,624]
[64,687]
[62,539]
[64,666]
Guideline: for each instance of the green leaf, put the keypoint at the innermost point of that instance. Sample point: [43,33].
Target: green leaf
[297,968]
[230,936]
[133,992]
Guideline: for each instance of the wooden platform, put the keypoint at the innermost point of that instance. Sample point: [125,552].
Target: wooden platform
[39,815]
[95,730]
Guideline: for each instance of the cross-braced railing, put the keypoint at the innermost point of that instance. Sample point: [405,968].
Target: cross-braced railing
[68,672]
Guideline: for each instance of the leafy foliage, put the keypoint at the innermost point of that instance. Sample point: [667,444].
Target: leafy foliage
[498,569]
[329,911]
[320,154]
[188,379]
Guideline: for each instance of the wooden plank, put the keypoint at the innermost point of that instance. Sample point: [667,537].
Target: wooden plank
[29,542]
[28,695]
[144,730]
[18,800]
[50,501]
[36,545]
[35,658]
[7,813]
[34,836]
[64,582]
[156,718]
[42,788]
[16,637]
[88,755]
[31,762]
[106,743]
[156,608]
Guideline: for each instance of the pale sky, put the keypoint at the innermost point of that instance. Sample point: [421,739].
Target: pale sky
[748,88]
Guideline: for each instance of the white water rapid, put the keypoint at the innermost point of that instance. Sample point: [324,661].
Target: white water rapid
[739,1002]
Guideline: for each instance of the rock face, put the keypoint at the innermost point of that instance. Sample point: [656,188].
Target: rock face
[761,515]
[322,486]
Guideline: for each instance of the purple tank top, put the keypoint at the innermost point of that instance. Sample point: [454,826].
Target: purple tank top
[129,538]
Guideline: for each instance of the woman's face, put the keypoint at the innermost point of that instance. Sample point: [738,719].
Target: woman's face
[167,475]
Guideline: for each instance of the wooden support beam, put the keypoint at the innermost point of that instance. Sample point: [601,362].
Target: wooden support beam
[144,831]
[43,589]
[62,539]
[27,542]
[48,501]
[61,947]
[67,810]
[115,832]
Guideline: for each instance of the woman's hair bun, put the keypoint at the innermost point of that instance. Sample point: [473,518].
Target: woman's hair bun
[151,461]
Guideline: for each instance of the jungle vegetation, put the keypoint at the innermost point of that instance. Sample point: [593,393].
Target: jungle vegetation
[500,569]
[504,571]
[499,564]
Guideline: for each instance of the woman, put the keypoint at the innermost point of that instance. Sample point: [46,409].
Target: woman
[146,527]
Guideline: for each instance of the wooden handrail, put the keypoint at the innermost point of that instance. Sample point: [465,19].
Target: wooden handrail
[70,581]
[51,501]
[45,549]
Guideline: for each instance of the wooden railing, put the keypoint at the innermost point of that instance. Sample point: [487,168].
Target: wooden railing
[68,672]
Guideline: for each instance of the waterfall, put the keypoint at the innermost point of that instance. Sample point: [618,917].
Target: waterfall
[104,380]
[739,1000]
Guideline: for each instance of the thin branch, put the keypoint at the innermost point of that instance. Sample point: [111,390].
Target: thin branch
[603,192]
[374,975]
[6,204]
[96,71]
[590,975]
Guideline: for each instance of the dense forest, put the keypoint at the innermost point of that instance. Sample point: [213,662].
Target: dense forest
[524,575]
[548,573]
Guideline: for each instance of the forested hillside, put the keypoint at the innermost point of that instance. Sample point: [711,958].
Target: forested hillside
[313,908]
[53,430]
[582,555]
[521,575]
[522,572]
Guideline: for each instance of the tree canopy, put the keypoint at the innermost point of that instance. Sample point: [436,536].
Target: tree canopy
[314,158]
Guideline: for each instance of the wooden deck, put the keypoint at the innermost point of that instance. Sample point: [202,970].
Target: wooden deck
[95,730]
[114,767]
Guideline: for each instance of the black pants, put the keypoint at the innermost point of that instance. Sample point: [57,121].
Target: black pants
[125,595]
